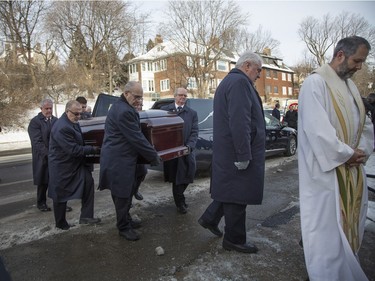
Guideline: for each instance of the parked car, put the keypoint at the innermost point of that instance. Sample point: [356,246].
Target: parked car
[279,137]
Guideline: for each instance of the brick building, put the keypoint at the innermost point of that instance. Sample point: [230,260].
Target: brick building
[165,68]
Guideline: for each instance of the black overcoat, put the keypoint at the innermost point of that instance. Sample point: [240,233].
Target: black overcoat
[291,117]
[238,135]
[39,133]
[182,170]
[66,161]
[122,144]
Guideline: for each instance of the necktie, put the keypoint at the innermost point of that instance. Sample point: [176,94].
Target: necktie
[48,121]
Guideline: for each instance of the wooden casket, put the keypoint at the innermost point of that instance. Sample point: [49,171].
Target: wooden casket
[162,129]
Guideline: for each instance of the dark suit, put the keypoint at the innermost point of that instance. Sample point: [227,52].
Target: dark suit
[181,171]
[70,176]
[239,135]
[276,113]
[291,117]
[123,143]
[39,132]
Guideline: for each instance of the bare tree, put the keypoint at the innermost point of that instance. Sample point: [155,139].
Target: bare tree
[321,35]
[255,41]
[202,31]
[21,21]
[95,34]
[303,68]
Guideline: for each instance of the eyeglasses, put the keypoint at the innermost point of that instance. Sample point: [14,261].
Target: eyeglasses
[138,98]
[75,113]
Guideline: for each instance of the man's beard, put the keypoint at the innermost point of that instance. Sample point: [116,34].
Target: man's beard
[344,72]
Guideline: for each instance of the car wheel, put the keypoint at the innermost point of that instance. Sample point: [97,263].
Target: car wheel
[292,146]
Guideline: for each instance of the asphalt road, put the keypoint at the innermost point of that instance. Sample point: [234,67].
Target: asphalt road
[33,249]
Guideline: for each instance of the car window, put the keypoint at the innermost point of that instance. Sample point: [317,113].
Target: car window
[203,107]
[271,121]
[158,104]
[205,110]
[103,104]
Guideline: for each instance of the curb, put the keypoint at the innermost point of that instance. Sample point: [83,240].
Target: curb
[18,151]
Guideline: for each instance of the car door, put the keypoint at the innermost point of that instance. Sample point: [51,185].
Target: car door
[276,139]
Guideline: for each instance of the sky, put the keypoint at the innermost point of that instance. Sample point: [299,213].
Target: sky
[282,18]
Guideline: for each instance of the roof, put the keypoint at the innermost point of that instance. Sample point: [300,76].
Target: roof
[168,48]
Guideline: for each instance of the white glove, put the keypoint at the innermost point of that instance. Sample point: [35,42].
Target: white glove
[242,165]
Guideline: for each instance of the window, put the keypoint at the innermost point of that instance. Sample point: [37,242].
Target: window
[189,62]
[148,85]
[289,77]
[274,74]
[149,66]
[163,64]
[290,91]
[222,65]
[132,68]
[192,83]
[283,76]
[275,90]
[268,89]
[284,90]
[268,73]
[156,66]
[164,85]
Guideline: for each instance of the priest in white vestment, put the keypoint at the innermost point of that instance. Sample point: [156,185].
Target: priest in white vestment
[335,138]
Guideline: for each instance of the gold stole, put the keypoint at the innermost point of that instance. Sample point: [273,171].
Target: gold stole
[350,179]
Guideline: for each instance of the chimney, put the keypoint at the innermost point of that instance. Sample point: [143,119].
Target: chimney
[267,51]
[158,39]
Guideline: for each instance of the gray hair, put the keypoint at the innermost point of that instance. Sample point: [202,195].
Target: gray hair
[249,57]
[129,87]
[176,91]
[72,103]
[349,45]
[45,102]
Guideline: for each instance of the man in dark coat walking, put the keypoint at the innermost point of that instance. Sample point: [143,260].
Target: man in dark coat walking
[181,171]
[238,159]
[291,117]
[123,143]
[276,111]
[70,175]
[39,132]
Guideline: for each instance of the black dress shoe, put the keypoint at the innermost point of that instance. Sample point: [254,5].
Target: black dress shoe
[182,209]
[44,208]
[213,228]
[64,226]
[129,234]
[89,220]
[243,248]
[69,209]
[138,196]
